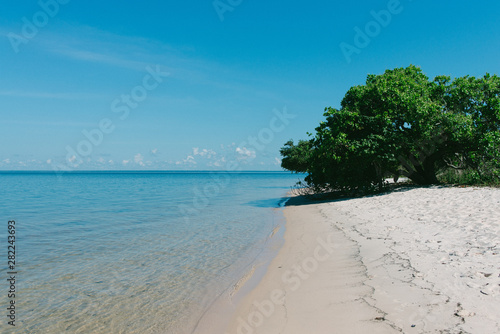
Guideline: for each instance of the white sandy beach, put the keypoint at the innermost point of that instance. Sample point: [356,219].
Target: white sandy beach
[418,260]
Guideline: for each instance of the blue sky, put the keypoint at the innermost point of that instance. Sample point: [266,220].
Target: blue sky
[208,85]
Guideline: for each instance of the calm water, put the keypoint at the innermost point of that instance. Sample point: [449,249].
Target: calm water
[131,252]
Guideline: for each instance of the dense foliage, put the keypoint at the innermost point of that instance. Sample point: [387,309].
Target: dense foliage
[401,123]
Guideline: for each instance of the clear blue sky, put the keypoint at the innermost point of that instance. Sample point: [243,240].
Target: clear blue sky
[228,79]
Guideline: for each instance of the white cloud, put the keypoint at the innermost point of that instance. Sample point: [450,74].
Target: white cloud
[204,152]
[154,151]
[138,158]
[72,162]
[125,162]
[188,161]
[245,153]
[49,161]
[217,162]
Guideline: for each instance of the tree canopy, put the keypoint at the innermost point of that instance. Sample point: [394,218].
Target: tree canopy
[402,123]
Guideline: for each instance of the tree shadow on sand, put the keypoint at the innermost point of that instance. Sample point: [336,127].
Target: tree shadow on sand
[299,199]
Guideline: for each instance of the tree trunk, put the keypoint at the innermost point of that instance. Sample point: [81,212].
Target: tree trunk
[425,173]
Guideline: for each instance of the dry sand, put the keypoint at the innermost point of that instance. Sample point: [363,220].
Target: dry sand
[418,260]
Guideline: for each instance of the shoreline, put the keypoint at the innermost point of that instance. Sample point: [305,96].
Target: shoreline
[414,260]
[216,317]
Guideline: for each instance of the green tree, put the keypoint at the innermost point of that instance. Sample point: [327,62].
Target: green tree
[400,122]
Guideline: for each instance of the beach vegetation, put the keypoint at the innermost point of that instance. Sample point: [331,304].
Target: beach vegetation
[401,123]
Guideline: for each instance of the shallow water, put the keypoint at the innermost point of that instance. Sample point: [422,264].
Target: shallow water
[132,252]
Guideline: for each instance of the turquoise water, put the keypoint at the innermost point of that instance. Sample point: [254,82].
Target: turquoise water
[131,252]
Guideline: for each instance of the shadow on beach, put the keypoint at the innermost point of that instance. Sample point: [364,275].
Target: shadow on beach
[299,200]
